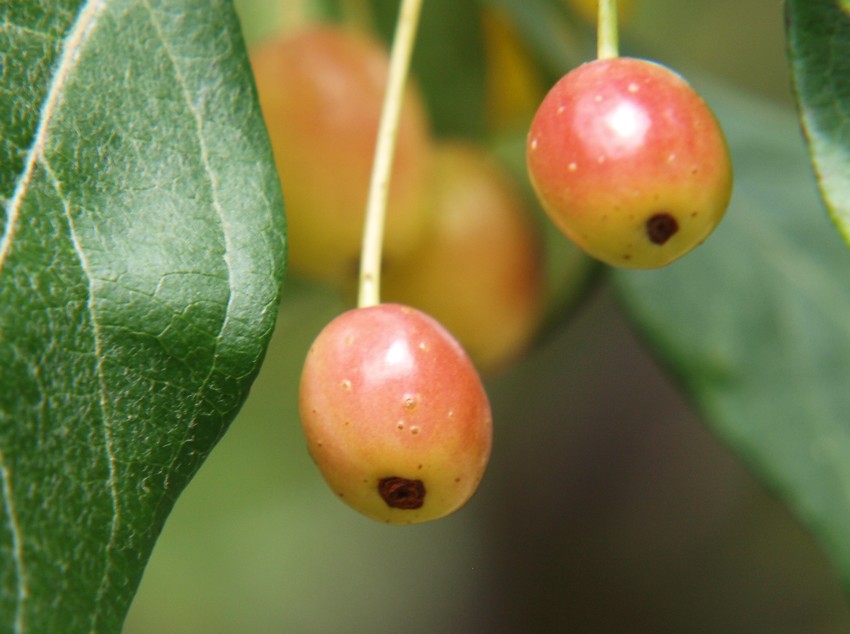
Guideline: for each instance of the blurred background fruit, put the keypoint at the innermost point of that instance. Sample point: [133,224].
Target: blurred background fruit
[479,270]
[321,89]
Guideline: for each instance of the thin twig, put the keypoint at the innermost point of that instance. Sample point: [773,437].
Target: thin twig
[376,205]
[607,33]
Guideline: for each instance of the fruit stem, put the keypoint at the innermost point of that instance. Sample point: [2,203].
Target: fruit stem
[369,293]
[607,35]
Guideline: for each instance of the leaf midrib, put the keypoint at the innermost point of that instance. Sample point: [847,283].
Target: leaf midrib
[74,42]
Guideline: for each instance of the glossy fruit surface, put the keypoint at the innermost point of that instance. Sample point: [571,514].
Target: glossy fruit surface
[321,90]
[629,162]
[479,269]
[394,414]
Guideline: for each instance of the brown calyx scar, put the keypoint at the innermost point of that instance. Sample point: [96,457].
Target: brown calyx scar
[661,227]
[402,493]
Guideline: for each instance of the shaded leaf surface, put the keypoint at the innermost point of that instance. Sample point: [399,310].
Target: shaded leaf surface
[754,324]
[141,256]
[818,34]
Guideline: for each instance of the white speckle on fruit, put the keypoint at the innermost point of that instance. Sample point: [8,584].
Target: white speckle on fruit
[414,430]
[423,345]
[573,166]
[400,425]
[534,144]
[348,340]
[346,385]
[633,87]
[561,110]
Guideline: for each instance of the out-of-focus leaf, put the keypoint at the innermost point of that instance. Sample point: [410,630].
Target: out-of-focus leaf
[754,324]
[559,43]
[818,34]
[448,62]
[141,255]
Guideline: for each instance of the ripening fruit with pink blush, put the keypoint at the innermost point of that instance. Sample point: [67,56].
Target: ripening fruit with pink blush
[321,89]
[629,162]
[394,414]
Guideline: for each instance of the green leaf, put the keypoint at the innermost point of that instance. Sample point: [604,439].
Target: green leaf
[754,324]
[141,256]
[818,33]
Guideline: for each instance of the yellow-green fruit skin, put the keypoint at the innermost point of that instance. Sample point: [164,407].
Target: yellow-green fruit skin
[387,393]
[479,270]
[321,90]
[629,162]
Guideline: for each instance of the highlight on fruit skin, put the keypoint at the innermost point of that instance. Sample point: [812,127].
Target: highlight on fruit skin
[321,89]
[629,162]
[394,414]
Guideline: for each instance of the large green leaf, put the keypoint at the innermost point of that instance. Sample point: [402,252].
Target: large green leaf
[818,33]
[141,256]
[755,324]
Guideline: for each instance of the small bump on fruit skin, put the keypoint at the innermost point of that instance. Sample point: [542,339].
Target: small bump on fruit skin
[394,414]
[629,162]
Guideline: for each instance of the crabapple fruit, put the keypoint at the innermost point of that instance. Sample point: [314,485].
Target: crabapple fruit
[478,270]
[394,414]
[629,162]
[321,90]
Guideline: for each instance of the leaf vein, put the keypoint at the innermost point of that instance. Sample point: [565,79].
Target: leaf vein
[211,174]
[108,440]
[17,543]
[74,42]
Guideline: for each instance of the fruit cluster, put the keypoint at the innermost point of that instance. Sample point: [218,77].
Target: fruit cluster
[393,409]
[450,207]
[624,156]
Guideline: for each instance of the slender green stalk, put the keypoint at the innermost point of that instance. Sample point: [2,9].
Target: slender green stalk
[376,205]
[607,38]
